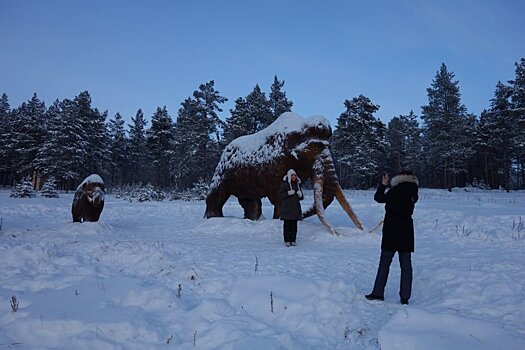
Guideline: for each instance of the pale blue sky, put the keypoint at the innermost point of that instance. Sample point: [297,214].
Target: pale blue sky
[145,54]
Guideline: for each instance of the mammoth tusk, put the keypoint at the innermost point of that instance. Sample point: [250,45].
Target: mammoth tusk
[318,204]
[346,206]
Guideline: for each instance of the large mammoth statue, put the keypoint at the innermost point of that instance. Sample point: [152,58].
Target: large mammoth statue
[89,199]
[252,167]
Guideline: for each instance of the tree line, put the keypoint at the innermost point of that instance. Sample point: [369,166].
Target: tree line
[445,146]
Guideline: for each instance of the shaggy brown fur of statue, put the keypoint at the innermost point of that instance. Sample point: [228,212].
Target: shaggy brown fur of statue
[251,182]
[88,202]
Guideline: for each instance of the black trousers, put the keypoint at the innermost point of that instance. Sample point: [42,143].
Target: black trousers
[405,262]
[290,230]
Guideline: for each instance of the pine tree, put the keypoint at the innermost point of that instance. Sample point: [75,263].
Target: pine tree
[27,134]
[140,159]
[198,137]
[96,139]
[260,115]
[6,159]
[496,133]
[279,103]
[358,143]
[238,124]
[118,150]
[447,148]
[63,153]
[191,140]
[160,142]
[209,100]
[403,144]
[518,110]
[250,115]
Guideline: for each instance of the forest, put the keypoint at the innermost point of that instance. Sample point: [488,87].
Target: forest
[445,146]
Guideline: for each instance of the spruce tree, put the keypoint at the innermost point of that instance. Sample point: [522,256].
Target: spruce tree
[403,144]
[96,138]
[6,158]
[518,111]
[496,133]
[27,134]
[23,189]
[238,124]
[119,151]
[63,153]
[183,161]
[446,145]
[140,159]
[279,103]
[358,144]
[259,113]
[160,142]
[49,189]
[198,137]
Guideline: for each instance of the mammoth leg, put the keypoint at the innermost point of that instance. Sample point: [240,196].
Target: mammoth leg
[277,211]
[214,203]
[276,202]
[346,206]
[252,208]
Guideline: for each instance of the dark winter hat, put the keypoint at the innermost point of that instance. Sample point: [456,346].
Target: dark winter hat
[406,171]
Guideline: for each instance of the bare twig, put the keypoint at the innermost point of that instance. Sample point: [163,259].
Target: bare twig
[14,303]
[271,301]
[179,289]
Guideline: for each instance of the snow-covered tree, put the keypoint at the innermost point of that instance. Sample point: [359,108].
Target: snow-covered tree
[446,145]
[23,189]
[260,115]
[118,147]
[160,142]
[518,110]
[279,103]
[49,189]
[251,114]
[198,141]
[93,124]
[26,135]
[403,144]
[358,144]
[238,124]
[140,160]
[209,101]
[496,133]
[6,169]
[63,153]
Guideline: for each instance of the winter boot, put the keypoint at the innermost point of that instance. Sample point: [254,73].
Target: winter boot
[374,297]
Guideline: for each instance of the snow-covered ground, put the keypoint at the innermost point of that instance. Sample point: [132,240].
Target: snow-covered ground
[156,275]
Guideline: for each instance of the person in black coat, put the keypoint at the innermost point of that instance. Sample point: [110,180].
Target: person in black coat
[291,195]
[398,232]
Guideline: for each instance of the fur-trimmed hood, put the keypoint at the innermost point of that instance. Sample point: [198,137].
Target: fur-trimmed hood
[288,176]
[398,179]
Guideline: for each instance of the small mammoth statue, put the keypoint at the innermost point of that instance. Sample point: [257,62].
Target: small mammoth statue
[89,199]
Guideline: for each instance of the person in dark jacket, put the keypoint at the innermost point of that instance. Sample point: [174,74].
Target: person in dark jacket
[398,232]
[290,193]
